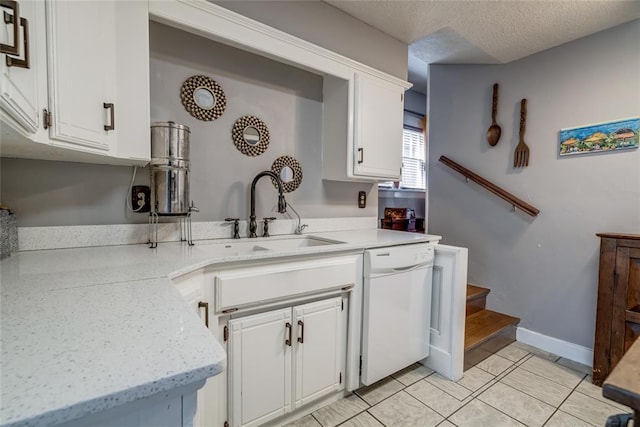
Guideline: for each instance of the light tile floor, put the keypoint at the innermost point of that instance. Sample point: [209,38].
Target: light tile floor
[518,386]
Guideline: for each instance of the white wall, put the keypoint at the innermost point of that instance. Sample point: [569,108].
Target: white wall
[289,100]
[543,270]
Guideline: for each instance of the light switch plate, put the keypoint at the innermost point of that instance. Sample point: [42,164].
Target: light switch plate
[362,199]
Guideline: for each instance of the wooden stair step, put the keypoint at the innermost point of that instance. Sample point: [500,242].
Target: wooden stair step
[476,299]
[475,292]
[486,332]
[481,326]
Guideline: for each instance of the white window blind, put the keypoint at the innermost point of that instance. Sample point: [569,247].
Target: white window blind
[414,170]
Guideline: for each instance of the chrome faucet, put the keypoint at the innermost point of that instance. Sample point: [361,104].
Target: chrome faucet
[282,203]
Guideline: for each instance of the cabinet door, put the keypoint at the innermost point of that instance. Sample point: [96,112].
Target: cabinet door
[446,352]
[625,317]
[318,349]
[260,367]
[378,128]
[82,72]
[23,87]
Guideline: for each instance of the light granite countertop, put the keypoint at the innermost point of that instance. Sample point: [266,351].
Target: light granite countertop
[83,330]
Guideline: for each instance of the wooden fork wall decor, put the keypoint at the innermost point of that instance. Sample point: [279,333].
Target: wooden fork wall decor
[521,155]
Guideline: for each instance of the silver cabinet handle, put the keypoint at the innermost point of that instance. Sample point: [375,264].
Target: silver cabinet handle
[205,305]
[287,340]
[361,154]
[112,113]
[301,337]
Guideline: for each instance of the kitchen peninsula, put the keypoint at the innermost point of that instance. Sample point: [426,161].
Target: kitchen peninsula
[91,333]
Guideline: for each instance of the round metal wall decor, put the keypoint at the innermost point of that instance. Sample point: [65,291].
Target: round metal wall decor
[289,171]
[203,98]
[250,135]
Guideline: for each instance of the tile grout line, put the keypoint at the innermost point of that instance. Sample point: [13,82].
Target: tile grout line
[449,394]
[376,418]
[564,400]
[554,381]
[523,392]
[504,413]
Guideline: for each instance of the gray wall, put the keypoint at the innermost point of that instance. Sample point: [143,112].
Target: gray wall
[289,100]
[331,28]
[543,270]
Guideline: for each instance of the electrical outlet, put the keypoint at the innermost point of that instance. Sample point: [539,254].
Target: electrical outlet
[140,198]
[362,199]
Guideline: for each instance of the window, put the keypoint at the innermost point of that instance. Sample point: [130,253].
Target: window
[414,169]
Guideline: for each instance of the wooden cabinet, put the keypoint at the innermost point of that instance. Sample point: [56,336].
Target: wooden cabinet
[618,312]
[86,96]
[283,359]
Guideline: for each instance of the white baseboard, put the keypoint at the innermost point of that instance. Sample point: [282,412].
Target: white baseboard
[565,349]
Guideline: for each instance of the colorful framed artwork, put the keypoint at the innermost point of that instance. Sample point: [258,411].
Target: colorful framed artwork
[601,137]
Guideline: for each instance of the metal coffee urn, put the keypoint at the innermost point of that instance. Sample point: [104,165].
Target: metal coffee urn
[170,178]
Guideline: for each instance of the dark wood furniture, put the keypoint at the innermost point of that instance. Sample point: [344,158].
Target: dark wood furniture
[618,312]
[402,219]
[406,224]
[623,385]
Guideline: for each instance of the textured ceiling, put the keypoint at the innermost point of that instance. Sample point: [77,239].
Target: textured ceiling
[485,32]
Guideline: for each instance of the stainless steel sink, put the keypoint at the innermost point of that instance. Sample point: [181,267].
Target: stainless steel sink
[229,249]
[250,246]
[296,243]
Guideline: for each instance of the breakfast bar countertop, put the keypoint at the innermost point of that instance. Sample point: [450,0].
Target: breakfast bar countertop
[83,330]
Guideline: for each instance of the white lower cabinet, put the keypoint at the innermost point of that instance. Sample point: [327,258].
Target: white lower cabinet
[283,359]
[318,350]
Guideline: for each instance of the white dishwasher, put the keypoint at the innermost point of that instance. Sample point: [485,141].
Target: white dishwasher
[396,309]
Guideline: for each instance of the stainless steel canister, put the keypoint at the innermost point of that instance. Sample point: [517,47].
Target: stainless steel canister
[169,144]
[169,168]
[169,190]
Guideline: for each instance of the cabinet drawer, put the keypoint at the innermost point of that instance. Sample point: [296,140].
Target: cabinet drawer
[257,285]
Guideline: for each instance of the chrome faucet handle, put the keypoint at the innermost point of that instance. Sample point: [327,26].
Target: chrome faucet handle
[265,229]
[236,226]
[300,228]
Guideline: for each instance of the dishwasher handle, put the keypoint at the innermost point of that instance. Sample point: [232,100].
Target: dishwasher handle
[398,270]
[410,267]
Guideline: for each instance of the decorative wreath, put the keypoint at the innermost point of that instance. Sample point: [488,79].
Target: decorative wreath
[282,162]
[238,135]
[187,93]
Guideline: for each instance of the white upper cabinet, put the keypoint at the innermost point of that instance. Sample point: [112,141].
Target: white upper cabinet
[85,96]
[378,113]
[362,107]
[82,73]
[362,127]
[22,91]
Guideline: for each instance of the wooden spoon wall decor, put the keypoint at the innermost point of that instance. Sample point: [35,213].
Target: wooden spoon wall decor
[494,132]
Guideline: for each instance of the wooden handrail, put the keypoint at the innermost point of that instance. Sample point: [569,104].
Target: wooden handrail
[503,194]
